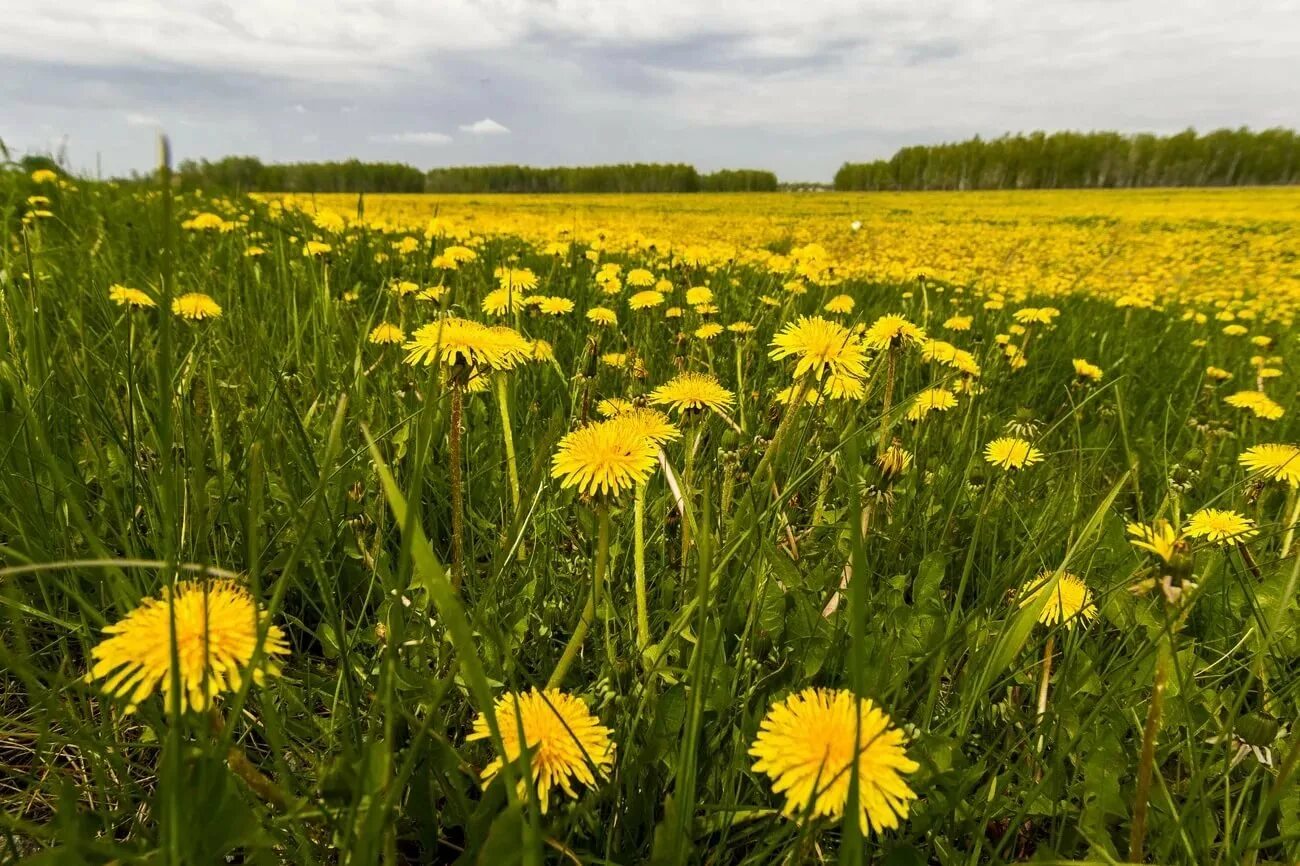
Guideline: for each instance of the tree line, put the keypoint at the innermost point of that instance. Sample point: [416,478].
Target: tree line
[1059,160]
[249,174]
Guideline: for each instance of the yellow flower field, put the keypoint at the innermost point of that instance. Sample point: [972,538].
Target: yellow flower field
[1215,248]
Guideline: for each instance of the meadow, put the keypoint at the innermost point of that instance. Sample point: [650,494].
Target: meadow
[891,528]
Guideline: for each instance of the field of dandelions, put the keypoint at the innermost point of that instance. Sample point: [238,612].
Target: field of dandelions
[713,529]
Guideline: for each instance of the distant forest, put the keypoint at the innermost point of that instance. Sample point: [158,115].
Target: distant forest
[248,174]
[1073,160]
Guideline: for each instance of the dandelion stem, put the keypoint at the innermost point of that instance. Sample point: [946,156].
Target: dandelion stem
[1042,687]
[457,487]
[593,599]
[1146,763]
[1292,519]
[642,605]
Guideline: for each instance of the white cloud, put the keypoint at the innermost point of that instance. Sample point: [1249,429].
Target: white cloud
[299,109]
[486,126]
[135,118]
[425,138]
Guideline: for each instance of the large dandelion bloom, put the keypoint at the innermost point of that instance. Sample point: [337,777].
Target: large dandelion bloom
[216,626]
[893,330]
[454,341]
[1011,453]
[820,345]
[196,306]
[693,391]
[566,743]
[1274,461]
[807,745]
[604,457]
[1219,526]
[1070,602]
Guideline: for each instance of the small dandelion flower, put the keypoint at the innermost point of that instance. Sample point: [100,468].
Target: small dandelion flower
[893,330]
[565,742]
[693,391]
[1070,603]
[125,296]
[839,304]
[809,743]
[196,306]
[515,278]
[958,323]
[553,306]
[708,331]
[697,295]
[602,316]
[602,458]
[216,625]
[316,248]
[1011,453]
[645,300]
[1257,402]
[931,400]
[1086,370]
[454,341]
[386,332]
[1218,374]
[1220,526]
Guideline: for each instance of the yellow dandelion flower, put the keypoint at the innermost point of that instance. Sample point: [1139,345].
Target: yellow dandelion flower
[602,458]
[894,461]
[958,323]
[386,332]
[254,251]
[602,316]
[515,278]
[498,302]
[1234,330]
[1158,538]
[216,625]
[839,304]
[673,313]
[820,346]
[125,296]
[316,248]
[1012,453]
[452,341]
[809,743]
[1070,602]
[697,295]
[44,175]
[645,300]
[741,328]
[1256,402]
[893,330]
[196,306]
[565,742]
[931,400]
[640,278]
[693,391]
[1218,374]
[1274,461]
[1086,370]
[650,423]
[1220,526]
[708,331]
[553,306]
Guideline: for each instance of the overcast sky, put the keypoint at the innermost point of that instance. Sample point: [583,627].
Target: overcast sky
[798,86]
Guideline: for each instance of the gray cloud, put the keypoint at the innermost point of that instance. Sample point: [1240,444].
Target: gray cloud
[795,87]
